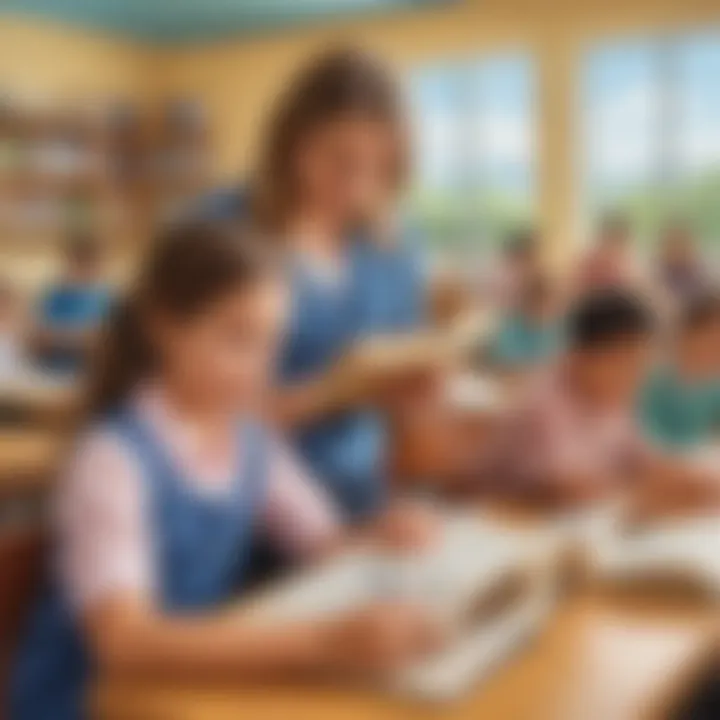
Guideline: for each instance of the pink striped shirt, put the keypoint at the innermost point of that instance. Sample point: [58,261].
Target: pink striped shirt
[550,433]
[103,522]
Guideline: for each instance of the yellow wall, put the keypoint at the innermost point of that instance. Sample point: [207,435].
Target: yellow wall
[43,58]
[238,79]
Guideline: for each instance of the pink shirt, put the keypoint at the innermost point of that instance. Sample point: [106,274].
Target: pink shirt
[104,525]
[550,433]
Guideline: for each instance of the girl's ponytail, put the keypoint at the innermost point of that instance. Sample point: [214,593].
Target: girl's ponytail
[124,357]
[190,266]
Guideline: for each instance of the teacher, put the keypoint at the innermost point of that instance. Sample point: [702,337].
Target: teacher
[331,174]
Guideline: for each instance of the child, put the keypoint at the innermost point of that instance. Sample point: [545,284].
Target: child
[609,263]
[520,262]
[529,334]
[11,351]
[680,404]
[680,271]
[72,309]
[332,174]
[166,487]
[573,436]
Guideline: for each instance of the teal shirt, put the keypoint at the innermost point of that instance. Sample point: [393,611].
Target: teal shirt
[520,342]
[680,413]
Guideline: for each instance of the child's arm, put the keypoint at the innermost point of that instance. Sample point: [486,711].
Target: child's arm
[301,517]
[106,567]
[128,637]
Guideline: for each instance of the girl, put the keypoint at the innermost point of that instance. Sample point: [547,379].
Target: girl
[334,165]
[171,477]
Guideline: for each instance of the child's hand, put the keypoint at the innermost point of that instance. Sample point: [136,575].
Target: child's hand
[408,526]
[381,638]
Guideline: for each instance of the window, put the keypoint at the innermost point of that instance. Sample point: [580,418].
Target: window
[651,133]
[474,139]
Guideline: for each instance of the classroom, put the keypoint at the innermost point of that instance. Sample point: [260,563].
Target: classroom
[360,359]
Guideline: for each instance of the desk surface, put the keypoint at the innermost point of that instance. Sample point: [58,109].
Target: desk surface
[600,658]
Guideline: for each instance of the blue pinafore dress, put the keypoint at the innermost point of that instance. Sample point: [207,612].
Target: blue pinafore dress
[201,548]
[381,292]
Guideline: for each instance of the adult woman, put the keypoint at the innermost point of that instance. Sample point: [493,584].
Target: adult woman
[333,167]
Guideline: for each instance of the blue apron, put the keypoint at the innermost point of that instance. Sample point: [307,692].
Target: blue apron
[201,552]
[382,292]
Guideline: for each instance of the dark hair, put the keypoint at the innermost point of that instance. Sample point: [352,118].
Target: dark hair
[340,83]
[615,225]
[82,248]
[608,317]
[699,311]
[189,267]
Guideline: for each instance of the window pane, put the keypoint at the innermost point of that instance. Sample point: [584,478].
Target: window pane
[622,139]
[698,77]
[474,131]
[651,132]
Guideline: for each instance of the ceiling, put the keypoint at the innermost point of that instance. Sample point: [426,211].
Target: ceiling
[170,21]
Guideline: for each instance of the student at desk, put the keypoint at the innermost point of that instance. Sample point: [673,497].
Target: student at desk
[72,309]
[680,403]
[610,262]
[573,436]
[530,333]
[166,488]
[333,167]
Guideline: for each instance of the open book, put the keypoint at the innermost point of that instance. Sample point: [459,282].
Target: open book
[681,551]
[492,585]
[495,584]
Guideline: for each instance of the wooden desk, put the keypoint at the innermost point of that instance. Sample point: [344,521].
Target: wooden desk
[600,658]
[28,460]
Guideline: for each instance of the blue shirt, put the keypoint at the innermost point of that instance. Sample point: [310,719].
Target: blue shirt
[521,342]
[69,306]
[677,412]
[383,292]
